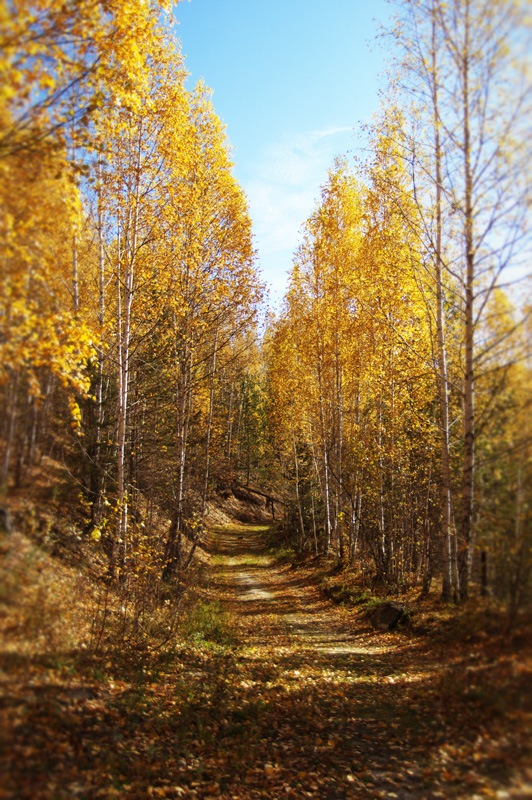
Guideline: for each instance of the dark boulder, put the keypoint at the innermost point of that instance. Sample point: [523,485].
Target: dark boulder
[6,523]
[386,616]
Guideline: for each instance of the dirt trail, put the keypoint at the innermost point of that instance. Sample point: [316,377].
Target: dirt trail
[296,610]
[328,708]
[282,695]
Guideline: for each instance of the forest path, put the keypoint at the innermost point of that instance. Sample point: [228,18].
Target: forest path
[269,691]
[323,706]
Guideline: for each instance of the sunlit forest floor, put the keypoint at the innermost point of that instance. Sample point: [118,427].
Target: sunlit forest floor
[275,693]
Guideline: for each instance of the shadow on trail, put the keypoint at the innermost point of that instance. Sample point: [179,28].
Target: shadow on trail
[236,541]
[329,725]
[344,712]
[311,703]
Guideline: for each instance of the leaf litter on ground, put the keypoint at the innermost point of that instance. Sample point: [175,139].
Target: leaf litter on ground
[281,694]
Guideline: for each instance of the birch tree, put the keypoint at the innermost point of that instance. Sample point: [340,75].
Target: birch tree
[463,70]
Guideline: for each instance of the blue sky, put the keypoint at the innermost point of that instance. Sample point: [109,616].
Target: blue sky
[293,80]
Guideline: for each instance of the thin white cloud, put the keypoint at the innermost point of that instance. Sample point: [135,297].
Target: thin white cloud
[298,159]
[282,192]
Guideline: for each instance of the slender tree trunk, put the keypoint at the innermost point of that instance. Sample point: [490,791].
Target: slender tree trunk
[120,418]
[174,547]
[314,526]
[339,455]
[209,427]
[298,492]
[517,573]
[441,351]
[173,559]
[382,542]
[32,440]
[75,275]
[468,470]
[230,422]
[326,469]
[11,425]
[319,489]
[96,469]
[124,365]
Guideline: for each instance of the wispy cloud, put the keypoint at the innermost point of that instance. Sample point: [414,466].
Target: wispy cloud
[299,158]
[283,188]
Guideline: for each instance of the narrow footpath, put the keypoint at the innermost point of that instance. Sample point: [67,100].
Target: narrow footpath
[269,691]
[323,706]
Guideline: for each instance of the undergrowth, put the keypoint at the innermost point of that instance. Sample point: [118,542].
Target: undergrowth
[52,611]
[208,624]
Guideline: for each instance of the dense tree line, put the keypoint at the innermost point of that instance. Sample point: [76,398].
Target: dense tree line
[400,368]
[129,289]
[391,395]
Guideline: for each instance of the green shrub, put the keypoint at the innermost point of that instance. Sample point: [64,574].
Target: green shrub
[342,594]
[208,623]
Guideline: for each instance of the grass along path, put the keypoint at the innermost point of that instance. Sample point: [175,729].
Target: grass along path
[275,693]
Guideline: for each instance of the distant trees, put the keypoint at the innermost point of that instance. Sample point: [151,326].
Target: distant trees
[403,343]
[360,418]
